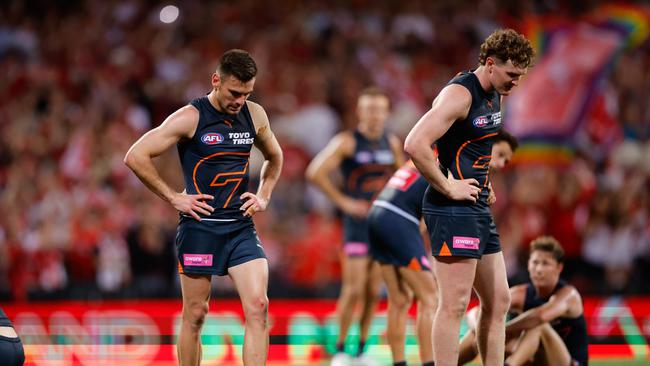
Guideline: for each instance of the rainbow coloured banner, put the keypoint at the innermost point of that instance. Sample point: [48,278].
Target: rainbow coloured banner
[559,95]
[634,21]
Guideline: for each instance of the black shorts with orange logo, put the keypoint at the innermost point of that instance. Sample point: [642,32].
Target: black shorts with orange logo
[462,236]
[211,247]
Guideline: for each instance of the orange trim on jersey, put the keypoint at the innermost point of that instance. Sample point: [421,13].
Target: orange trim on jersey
[238,180]
[196,168]
[482,165]
[444,251]
[460,173]
[386,170]
[367,168]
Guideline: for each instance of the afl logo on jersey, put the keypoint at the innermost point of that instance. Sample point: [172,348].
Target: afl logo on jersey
[212,138]
[363,157]
[481,121]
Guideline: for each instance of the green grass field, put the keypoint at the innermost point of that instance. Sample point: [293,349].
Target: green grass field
[606,362]
[620,362]
[596,362]
[601,362]
[592,362]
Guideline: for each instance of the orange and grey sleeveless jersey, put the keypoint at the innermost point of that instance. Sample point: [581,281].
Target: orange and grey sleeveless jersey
[215,160]
[466,149]
[366,172]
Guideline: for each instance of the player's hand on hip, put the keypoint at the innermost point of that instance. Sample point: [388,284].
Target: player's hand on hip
[355,208]
[252,204]
[193,204]
[463,189]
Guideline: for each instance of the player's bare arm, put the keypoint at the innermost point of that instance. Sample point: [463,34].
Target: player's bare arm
[397,148]
[562,303]
[267,143]
[179,125]
[325,162]
[452,104]
[517,299]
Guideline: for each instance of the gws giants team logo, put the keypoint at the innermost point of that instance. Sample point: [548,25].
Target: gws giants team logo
[212,138]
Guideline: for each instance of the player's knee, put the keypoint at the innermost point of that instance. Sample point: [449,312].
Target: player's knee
[540,328]
[498,306]
[195,313]
[545,330]
[427,304]
[454,308]
[352,292]
[502,303]
[400,302]
[374,293]
[257,308]
[534,333]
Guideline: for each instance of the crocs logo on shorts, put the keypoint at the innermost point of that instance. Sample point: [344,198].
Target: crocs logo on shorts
[212,138]
[463,242]
[197,259]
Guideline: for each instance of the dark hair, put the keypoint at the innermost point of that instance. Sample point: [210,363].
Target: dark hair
[507,44]
[237,63]
[504,135]
[550,245]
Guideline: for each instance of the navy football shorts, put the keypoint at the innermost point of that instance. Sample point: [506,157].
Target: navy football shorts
[396,240]
[211,247]
[462,236]
[355,237]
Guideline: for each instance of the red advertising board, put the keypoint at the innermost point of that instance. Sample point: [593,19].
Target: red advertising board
[302,331]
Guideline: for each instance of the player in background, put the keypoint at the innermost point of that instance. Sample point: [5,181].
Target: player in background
[366,158]
[550,328]
[396,243]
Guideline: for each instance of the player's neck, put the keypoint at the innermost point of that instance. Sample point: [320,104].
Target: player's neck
[484,78]
[212,98]
[545,291]
[370,134]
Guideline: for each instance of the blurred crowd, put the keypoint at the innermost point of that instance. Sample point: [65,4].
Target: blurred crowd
[81,81]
